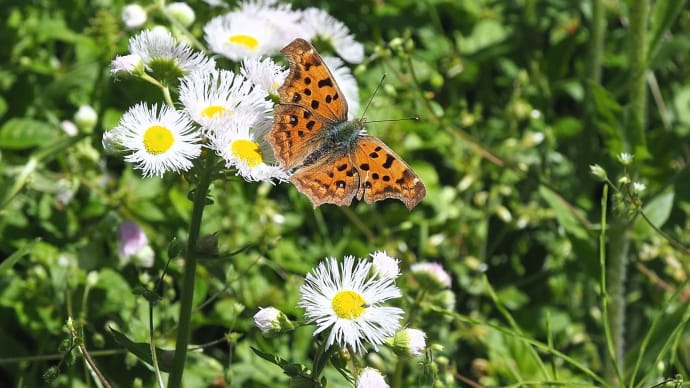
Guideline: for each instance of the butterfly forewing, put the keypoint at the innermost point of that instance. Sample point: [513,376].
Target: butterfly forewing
[310,84]
[385,175]
[333,181]
[296,134]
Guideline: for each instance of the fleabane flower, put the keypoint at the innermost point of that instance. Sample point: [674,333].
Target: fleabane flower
[346,82]
[345,300]
[272,321]
[133,15]
[240,142]
[431,275]
[210,97]
[257,28]
[409,342]
[264,73]
[370,378]
[385,266]
[320,25]
[157,140]
[163,55]
[182,12]
[135,245]
[127,64]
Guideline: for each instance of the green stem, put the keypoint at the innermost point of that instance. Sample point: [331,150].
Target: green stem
[613,368]
[594,60]
[616,274]
[187,294]
[638,81]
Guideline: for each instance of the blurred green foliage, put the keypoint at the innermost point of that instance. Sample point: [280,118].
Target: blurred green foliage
[504,144]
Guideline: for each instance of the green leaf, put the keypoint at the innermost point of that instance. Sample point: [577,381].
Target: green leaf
[9,262]
[565,213]
[664,13]
[657,210]
[291,369]
[143,351]
[24,133]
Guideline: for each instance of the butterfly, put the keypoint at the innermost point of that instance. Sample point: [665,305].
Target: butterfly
[333,159]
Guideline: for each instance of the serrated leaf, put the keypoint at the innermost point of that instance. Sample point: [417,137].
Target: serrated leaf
[607,116]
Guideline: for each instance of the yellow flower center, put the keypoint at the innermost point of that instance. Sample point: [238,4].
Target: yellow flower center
[248,151]
[158,139]
[348,304]
[247,41]
[213,111]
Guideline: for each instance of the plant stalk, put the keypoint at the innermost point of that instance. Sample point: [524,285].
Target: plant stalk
[187,294]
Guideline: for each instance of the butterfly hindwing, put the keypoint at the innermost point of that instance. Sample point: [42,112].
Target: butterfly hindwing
[310,83]
[383,174]
[333,181]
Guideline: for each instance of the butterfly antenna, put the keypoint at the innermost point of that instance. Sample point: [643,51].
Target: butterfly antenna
[415,118]
[372,96]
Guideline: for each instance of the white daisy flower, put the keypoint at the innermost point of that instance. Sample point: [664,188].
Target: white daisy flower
[160,51]
[133,15]
[287,22]
[385,266]
[210,97]
[370,378]
[321,25]
[264,73]
[347,83]
[240,142]
[257,28]
[346,300]
[431,274]
[158,140]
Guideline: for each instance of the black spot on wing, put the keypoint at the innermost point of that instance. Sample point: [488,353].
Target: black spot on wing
[325,82]
[389,161]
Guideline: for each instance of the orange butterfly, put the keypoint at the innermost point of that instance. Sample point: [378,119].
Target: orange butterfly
[335,160]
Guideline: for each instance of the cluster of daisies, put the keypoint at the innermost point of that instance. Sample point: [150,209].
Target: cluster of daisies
[345,300]
[208,107]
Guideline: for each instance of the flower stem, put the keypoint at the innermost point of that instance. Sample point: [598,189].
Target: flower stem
[187,294]
[638,80]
